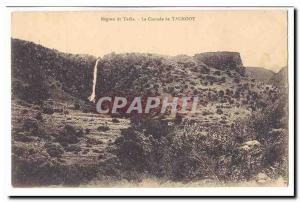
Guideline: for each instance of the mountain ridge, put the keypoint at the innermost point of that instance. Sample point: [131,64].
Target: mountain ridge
[260,73]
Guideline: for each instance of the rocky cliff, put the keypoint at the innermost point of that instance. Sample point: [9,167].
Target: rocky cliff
[221,60]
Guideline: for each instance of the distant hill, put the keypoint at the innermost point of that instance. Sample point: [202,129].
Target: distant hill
[152,74]
[260,73]
[280,79]
[39,73]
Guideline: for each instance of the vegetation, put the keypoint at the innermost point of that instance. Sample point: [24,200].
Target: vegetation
[187,152]
[239,135]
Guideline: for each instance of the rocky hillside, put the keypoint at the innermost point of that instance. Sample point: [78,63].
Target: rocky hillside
[39,73]
[155,74]
[135,73]
[280,79]
[218,79]
[239,132]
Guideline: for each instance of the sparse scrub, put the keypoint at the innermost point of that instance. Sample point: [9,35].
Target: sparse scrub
[240,133]
[186,152]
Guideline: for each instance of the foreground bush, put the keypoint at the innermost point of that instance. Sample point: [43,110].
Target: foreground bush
[190,152]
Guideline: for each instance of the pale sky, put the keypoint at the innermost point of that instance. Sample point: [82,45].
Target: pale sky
[260,36]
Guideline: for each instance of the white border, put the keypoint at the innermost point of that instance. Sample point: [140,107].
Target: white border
[201,191]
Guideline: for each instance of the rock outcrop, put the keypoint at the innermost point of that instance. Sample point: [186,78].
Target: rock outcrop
[221,60]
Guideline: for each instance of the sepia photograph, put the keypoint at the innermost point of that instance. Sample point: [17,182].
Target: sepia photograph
[151,98]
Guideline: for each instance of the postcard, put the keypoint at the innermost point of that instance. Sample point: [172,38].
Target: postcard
[179,98]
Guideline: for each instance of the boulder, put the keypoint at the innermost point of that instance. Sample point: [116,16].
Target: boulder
[262,178]
[249,145]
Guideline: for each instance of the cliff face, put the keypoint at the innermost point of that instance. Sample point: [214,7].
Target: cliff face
[221,60]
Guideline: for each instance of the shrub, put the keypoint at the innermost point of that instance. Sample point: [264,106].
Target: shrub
[156,149]
[24,111]
[219,111]
[40,171]
[73,148]
[206,113]
[218,73]
[133,149]
[69,135]
[221,93]
[48,110]
[23,137]
[54,150]
[93,141]
[271,129]
[222,79]
[103,128]
[204,70]
[115,120]
[39,116]
[178,118]
[30,124]
[189,151]
[87,131]
[76,106]
[236,80]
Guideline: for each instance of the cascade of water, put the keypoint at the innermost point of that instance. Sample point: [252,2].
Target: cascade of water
[93,95]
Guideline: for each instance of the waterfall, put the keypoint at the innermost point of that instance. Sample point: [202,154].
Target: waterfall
[93,95]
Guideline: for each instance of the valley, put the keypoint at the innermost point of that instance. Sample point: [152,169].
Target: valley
[58,138]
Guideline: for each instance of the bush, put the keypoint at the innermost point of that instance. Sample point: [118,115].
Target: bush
[54,150]
[163,151]
[73,148]
[178,118]
[219,111]
[87,131]
[103,128]
[30,124]
[270,127]
[133,149]
[23,137]
[204,70]
[189,151]
[69,135]
[48,110]
[115,120]
[39,116]
[76,106]
[218,73]
[44,172]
